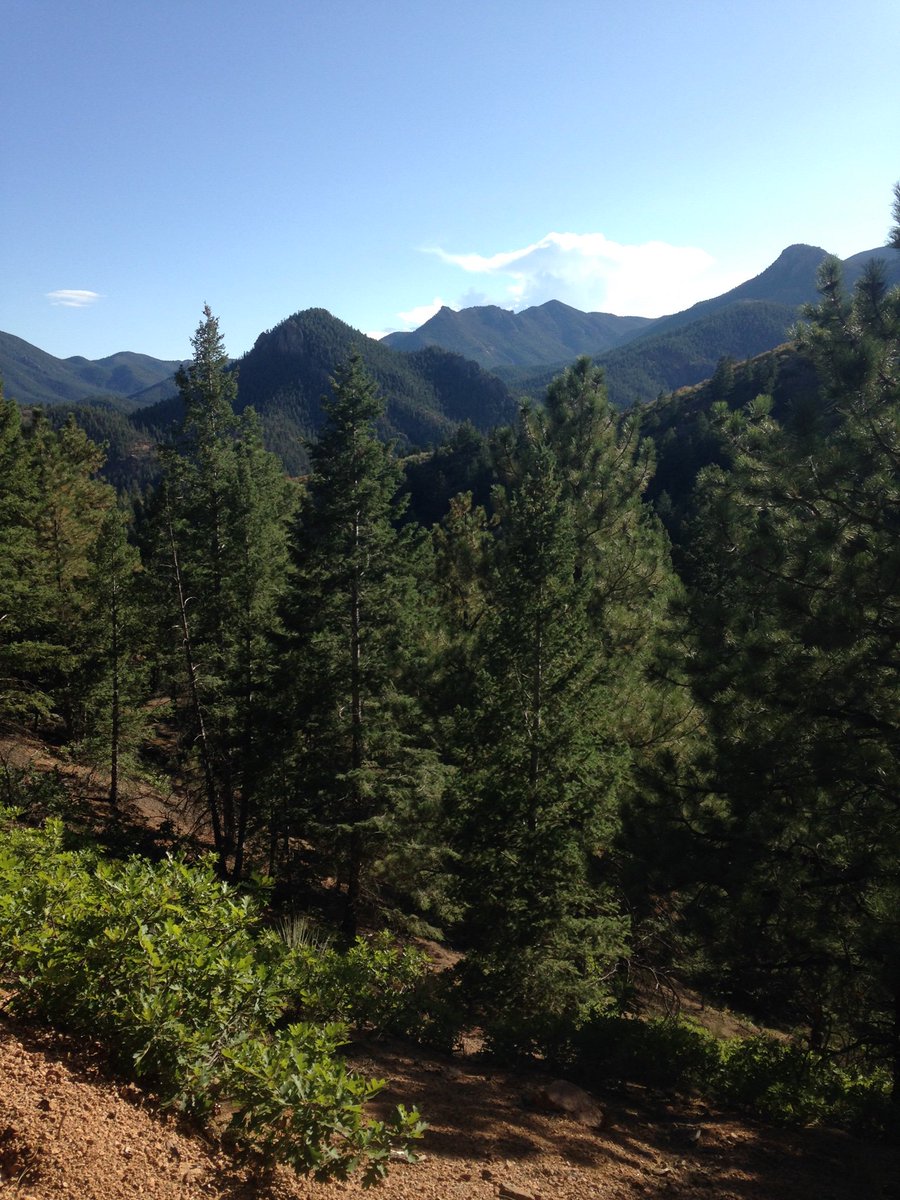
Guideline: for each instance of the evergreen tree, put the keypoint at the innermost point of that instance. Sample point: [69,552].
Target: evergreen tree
[115,676]
[796,570]
[18,500]
[622,554]
[222,522]
[260,508]
[538,761]
[637,633]
[54,522]
[355,764]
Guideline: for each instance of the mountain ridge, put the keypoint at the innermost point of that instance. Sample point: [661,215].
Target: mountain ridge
[288,370]
[494,337]
[642,356]
[32,376]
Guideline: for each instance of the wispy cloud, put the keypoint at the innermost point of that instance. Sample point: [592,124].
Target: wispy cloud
[73,298]
[593,273]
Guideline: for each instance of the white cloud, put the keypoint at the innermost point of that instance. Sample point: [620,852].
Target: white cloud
[592,273]
[413,317]
[73,298]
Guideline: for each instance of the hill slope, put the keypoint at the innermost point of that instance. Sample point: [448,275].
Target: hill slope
[68,1127]
[288,370]
[32,376]
[683,348]
[495,337]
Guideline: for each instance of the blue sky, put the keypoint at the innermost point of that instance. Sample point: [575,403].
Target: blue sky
[379,157]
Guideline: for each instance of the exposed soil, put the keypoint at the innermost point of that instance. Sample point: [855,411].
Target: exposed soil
[68,1128]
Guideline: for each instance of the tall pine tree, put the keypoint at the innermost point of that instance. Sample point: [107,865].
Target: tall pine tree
[222,520]
[354,745]
[538,762]
[797,600]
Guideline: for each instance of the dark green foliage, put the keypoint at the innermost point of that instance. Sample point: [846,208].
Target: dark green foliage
[354,741]
[794,562]
[289,368]
[130,461]
[113,674]
[222,526]
[556,612]
[463,464]
[771,1078]
[688,433]
[53,509]
[533,803]
[287,372]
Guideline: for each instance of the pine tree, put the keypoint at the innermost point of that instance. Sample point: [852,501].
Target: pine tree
[63,510]
[623,556]
[797,562]
[260,507]
[18,500]
[355,764]
[115,676]
[538,762]
[222,530]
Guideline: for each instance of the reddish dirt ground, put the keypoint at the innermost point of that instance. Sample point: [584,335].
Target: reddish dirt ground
[68,1128]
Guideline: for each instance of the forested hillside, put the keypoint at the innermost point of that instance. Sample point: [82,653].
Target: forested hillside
[286,373]
[482,703]
[35,377]
[642,359]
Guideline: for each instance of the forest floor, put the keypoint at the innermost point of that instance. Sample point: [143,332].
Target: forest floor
[69,1128]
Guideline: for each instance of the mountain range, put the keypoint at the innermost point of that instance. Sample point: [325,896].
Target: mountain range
[641,357]
[457,367]
[32,376]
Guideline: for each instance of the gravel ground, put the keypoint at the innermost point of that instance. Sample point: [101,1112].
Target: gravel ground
[68,1128]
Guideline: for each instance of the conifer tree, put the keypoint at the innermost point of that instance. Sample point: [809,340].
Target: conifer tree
[538,761]
[18,499]
[64,509]
[796,570]
[355,765]
[623,555]
[223,514]
[114,671]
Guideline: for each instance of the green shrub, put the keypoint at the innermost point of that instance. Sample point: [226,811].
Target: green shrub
[774,1079]
[295,1105]
[375,985]
[173,970]
[662,1052]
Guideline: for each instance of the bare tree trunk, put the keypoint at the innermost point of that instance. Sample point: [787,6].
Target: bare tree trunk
[115,732]
[354,866]
[202,739]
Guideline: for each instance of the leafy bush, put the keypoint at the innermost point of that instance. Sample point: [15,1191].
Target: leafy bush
[777,1080]
[774,1079]
[171,967]
[374,985]
[663,1052]
[296,1105]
